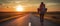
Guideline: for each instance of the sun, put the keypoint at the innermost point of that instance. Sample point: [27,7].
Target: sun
[19,8]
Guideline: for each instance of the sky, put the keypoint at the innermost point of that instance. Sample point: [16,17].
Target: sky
[29,5]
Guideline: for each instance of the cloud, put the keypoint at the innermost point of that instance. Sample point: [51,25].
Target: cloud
[52,1]
[52,4]
[33,3]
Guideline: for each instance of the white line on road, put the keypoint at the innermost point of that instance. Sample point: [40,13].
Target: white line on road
[29,23]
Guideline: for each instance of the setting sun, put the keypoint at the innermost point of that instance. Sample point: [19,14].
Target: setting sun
[19,8]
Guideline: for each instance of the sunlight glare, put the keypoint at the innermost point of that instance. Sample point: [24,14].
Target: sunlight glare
[19,8]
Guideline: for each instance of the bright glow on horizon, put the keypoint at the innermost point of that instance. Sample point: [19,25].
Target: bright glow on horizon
[19,8]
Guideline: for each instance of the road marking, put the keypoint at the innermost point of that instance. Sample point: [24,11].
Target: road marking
[29,23]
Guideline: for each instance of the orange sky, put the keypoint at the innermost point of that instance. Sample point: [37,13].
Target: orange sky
[28,5]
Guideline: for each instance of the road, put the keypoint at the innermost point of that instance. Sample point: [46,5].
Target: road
[24,21]
[35,21]
[20,21]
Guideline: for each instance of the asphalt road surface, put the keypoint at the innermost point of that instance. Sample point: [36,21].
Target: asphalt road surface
[35,21]
[24,21]
[20,21]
